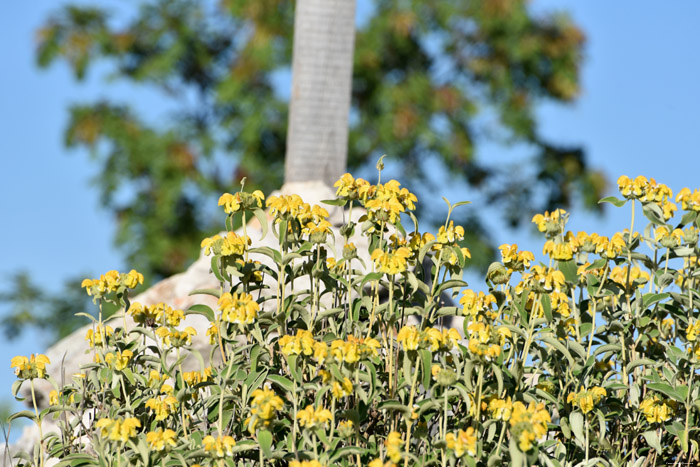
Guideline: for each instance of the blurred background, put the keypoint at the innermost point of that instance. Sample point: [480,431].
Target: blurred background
[121,122]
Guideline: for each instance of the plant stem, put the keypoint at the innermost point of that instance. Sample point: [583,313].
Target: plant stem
[38,424]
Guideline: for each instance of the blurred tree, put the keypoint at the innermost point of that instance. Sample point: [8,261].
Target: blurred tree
[431,81]
[422,71]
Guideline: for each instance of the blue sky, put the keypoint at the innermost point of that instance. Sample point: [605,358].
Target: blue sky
[637,114]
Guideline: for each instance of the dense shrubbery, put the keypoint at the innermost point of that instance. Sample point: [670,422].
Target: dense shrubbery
[589,357]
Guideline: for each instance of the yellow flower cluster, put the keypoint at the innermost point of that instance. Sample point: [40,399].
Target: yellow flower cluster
[391,262]
[219,447]
[159,439]
[192,378]
[119,360]
[349,187]
[340,389]
[150,315]
[350,351]
[286,206]
[311,463]
[542,279]
[393,446]
[99,335]
[486,341]
[551,224]
[636,275]
[263,408]
[301,344]
[478,304]
[118,430]
[515,260]
[228,245]
[174,338]
[111,281]
[385,202]
[30,368]
[433,339]
[646,190]
[529,423]
[586,399]
[657,409]
[233,203]
[238,308]
[464,442]
[668,238]
[558,251]
[689,201]
[500,409]
[162,406]
[311,418]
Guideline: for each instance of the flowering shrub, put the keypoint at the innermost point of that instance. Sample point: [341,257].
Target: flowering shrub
[587,357]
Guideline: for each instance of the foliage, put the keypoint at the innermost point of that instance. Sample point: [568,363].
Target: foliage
[432,80]
[320,357]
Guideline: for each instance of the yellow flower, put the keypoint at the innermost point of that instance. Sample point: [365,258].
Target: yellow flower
[159,439]
[212,333]
[286,207]
[111,281]
[393,445]
[120,360]
[161,406]
[53,397]
[302,343]
[464,442]
[99,335]
[340,390]
[311,463]
[30,368]
[512,259]
[689,201]
[220,446]
[449,235]
[551,224]
[656,409]
[668,238]
[475,304]
[229,245]
[238,308]
[636,276]
[175,338]
[193,378]
[500,409]
[263,407]
[543,279]
[393,262]
[693,330]
[409,337]
[310,418]
[528,423]
[118,430]
[586,399]
[558,251]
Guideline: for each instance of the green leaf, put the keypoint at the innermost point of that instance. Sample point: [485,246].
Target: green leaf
[284,383]
[618,203]
[570,270]
[653,212]
[334,202]
[395,405]
[22,414]
[294,369]
[650,298]
[576,422]
[553,342]
[262,218]
[667,390]
[265,442]
[202,310]
[427,360]
[346,452]
[652,440]
[639,362]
